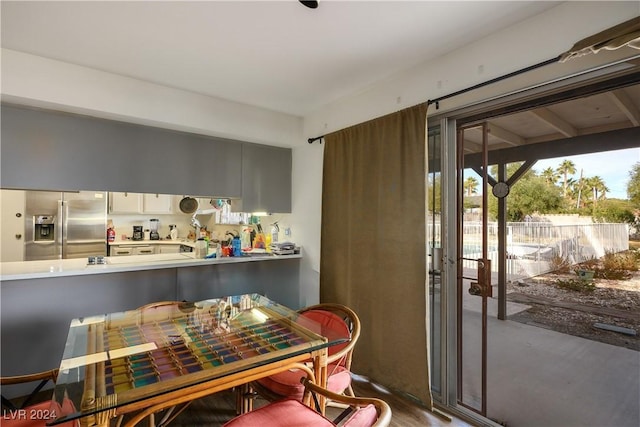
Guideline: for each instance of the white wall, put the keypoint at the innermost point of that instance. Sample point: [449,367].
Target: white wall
[28,79]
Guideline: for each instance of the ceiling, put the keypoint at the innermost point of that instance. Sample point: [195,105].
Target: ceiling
[600,113]
[277,55]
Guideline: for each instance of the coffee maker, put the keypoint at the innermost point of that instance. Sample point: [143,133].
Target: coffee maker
[138,234]
[154,226]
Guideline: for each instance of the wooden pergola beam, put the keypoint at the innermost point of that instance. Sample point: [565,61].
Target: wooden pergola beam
[624,103]
[505,135]
[555,121]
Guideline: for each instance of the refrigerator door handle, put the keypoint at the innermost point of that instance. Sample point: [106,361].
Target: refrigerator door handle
[61,229]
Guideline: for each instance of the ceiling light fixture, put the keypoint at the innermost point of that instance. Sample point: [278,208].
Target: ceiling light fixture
[310,4]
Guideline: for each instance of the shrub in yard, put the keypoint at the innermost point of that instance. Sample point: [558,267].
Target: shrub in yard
[590,263]
[613,266]
[576,285]
[560,264]
[620,261]
[611,274]
[616,266]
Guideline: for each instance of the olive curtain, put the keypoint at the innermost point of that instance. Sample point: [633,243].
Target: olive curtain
[373,251]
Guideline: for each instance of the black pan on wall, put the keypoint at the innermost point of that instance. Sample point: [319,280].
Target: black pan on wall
[188,205]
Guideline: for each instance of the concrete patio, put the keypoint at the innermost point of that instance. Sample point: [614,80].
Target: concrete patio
[542,378]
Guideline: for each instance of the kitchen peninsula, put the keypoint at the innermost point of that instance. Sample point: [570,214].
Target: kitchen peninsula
[39,298]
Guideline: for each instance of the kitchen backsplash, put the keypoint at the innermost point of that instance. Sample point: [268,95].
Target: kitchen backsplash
[123,225]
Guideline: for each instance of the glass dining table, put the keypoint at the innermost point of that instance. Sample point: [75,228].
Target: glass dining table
[139,362]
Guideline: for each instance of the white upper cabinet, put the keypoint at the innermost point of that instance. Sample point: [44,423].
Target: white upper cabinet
[157,203]
[121,203]
[136,203]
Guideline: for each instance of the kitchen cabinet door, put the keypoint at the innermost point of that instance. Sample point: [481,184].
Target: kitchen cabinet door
[144,250]
[168,249]
[125,203]
[266,179]
[120,250]
[157,203]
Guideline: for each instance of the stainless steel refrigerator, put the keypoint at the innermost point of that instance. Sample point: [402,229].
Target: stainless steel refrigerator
[65,224]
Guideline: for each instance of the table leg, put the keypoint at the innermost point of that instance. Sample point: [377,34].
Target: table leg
[89,392]
[95,395]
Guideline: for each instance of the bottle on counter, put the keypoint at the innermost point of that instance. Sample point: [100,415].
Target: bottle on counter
[111,232]
[274,232]
[267,242]
[245,240]
[202,248]
[237,246]
[173,231]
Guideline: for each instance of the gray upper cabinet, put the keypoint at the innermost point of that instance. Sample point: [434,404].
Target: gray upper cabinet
[52,150]
[266,178]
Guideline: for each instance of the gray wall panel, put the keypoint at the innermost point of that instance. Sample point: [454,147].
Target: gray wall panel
[277,280]
[35,313]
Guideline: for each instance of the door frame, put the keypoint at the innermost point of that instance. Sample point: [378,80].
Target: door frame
[589,81]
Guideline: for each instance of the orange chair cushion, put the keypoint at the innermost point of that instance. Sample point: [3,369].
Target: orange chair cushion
[332,322]
[283,413]
[35,416]
[287,383]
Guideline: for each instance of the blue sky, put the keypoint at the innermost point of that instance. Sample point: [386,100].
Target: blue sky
[612,166]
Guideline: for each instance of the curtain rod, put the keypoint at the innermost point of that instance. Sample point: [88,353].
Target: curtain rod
[479,85]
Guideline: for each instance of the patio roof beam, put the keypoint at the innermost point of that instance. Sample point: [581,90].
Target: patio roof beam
[583,144]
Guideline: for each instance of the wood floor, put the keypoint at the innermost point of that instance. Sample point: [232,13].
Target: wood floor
[219,408]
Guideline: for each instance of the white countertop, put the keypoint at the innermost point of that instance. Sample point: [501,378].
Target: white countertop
[130,242]
[77,267]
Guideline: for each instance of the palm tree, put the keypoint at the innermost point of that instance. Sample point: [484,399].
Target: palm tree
[578,189]
[597,185]
[470,185]
[573,190]
[566,168]
[550,176]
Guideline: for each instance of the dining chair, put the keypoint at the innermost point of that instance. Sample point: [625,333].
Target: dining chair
[159,306]
[331,316]
[23,413]
[359,412]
